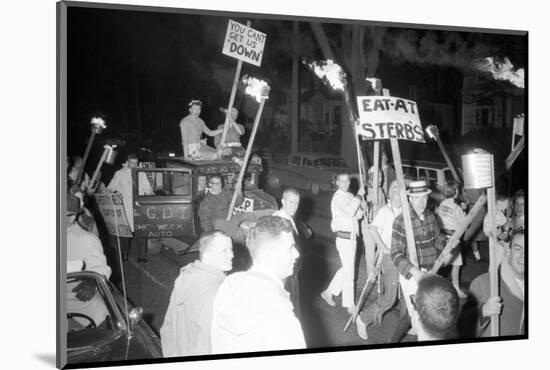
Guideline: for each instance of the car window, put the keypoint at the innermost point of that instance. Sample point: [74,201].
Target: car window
[427,174]
[296,161]
[448,175]
[410,172]
[308,162]
[90,317]
[164,183]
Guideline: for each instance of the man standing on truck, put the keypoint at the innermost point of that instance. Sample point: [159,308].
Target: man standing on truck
[192,128]
[122,183]
[232,146]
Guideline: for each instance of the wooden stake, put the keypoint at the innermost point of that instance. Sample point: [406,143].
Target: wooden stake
[238,185]
[96,172]
[493,274]
[232,98]
[411,245]
[376,165]
[447,159]
[515,153]
[85,158]
[364,293]
[455,238]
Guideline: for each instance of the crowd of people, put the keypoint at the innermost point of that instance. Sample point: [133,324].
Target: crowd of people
[259,309]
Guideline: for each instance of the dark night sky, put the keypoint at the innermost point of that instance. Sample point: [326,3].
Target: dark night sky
[141,68]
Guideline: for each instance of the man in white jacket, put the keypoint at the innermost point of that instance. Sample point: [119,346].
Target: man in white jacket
[122,182]
[252,310]
[346,211]
[186,327]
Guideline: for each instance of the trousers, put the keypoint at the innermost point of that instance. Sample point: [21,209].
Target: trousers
[342,281]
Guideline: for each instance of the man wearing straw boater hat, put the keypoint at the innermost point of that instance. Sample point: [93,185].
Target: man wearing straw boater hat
[427,242]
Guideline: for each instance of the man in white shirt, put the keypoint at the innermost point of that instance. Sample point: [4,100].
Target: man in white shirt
[290,201]
[381,232]
[346,211]
[122,183]
[252,310]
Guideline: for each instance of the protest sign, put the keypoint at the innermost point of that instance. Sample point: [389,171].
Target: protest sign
[246,206]
[387,117]
[112,209]
[244,43]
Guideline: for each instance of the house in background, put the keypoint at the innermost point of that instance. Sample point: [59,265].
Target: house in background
[489,103]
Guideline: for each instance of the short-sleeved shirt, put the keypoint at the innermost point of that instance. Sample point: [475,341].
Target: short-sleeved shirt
[384,222]
[232,135]
[450,215]
[192,129]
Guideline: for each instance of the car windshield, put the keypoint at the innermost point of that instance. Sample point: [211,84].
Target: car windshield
[90,317]
[330,162]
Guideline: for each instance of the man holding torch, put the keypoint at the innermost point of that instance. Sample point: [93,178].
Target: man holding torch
[346,211]
[428,243]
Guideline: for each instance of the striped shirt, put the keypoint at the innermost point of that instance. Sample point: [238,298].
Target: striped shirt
[426,237]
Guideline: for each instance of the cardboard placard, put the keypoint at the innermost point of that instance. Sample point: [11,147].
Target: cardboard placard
[244,43]
[387,117]
[112,209]
[246,206]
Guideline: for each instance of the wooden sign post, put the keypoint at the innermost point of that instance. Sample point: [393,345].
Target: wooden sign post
[238,185]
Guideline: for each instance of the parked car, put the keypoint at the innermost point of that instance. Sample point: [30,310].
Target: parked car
[309,171]
[435,173]
[122,336]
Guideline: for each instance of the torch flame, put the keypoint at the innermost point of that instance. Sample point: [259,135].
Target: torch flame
[330,72]
[98,121]
[258,89]
[503,71]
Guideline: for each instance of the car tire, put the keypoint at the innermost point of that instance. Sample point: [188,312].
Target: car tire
[274,182]
[315,188]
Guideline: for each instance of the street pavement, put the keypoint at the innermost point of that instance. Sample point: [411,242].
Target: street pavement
[149,285]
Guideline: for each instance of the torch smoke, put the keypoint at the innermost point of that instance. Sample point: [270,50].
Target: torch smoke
[330,72]
[258,89]
[503,71]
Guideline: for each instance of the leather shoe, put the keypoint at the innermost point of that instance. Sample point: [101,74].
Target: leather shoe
[142,260]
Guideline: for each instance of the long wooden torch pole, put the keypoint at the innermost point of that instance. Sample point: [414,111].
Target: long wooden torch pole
[238,186]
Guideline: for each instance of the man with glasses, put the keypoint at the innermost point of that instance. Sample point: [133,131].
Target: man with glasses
[215,203]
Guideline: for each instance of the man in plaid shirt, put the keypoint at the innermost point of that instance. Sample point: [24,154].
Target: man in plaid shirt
[426,234]
[427,241]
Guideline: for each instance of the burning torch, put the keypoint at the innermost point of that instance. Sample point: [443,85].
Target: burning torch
[259,90]
[98,125]
[332,74]
[433,133]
